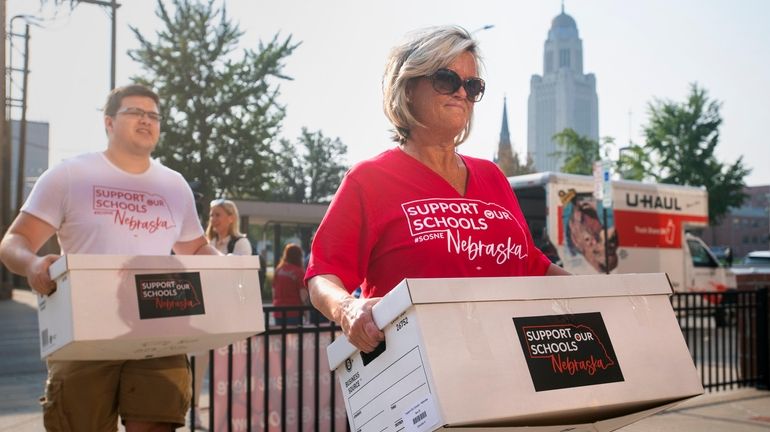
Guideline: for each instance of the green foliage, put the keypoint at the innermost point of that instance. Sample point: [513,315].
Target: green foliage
[681,139]
[219,107]
[309,171]
[520,169]
[579,152]
[510,163]
[634,163]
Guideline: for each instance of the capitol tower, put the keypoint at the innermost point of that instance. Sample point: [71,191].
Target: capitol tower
[563,97]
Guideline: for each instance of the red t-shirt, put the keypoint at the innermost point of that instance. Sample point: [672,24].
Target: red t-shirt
[394,218]
[287,283]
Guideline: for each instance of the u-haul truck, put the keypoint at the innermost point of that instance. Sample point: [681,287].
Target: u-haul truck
[646,228]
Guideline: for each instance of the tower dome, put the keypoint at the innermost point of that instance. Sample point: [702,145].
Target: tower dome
[563,26]
[564,21]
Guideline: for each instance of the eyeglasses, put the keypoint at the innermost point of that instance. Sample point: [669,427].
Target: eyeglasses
[446,82]
[140,113]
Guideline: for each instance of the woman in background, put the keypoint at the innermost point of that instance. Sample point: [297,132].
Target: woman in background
[223,233]
[224,229]
[288,285]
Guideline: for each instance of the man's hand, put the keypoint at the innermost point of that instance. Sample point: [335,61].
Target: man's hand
[37,274]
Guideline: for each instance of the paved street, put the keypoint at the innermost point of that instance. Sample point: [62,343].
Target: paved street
[22,373]
[22,376]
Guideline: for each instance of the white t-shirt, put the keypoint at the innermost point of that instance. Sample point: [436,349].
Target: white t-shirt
[242,246]
[98,208]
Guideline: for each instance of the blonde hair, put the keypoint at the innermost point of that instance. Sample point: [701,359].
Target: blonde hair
[423,53]
[234,230]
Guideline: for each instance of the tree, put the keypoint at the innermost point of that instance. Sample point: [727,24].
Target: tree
[578,152]
[219,108]
[309,171]
[520,169]
[506,159]
[634,163]
[681,139]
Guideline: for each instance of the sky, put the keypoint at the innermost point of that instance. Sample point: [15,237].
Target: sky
[639,51]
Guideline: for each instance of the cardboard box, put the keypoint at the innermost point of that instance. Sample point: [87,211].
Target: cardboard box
[113,307]
[532,353]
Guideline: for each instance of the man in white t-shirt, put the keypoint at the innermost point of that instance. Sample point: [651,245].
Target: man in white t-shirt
[119,201]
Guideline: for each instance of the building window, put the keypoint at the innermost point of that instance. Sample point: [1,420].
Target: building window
[548,61]
[563,58]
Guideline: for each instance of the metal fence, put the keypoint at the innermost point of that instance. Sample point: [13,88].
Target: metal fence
[279,380]
[727,334]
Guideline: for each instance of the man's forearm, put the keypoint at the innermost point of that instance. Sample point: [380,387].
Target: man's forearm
[16,253]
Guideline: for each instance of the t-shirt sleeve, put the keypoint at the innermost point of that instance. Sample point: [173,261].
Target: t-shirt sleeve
[341,246]
[242,247]
[49,196]
[191,225]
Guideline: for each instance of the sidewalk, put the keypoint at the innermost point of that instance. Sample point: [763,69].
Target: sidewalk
[22,377]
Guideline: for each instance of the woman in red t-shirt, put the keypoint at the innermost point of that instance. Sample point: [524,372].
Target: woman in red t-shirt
[288,285]
[421,209]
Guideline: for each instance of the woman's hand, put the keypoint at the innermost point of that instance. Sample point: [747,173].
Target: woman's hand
[329,296]
[355,317]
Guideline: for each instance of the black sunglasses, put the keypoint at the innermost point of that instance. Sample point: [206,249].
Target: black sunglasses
[446,82]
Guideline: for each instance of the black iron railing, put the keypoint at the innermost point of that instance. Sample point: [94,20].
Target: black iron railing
[727,334]
[278,380]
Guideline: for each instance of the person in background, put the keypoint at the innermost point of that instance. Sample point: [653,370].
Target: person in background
[262,268]
[420,209]
[289,286]
[223,233]
[118,201]
[224,228]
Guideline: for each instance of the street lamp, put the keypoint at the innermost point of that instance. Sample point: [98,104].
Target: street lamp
[486,27]
[620,155]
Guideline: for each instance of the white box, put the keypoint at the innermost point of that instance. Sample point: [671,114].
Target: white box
[114,307]
[571,353]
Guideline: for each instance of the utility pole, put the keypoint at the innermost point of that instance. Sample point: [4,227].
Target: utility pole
[21,179]
[113,5]
[5,159]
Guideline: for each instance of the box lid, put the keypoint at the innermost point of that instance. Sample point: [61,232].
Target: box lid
[150,262]
[418,291]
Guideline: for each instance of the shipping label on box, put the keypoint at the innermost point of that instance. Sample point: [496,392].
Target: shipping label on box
[390,388]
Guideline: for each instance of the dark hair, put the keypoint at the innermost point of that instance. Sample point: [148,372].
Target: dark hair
[116,96]
[292,254]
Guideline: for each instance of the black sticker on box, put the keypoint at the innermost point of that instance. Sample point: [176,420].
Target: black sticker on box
[169,295]
[564,351]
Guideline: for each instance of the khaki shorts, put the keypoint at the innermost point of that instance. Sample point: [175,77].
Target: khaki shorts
[89,395]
